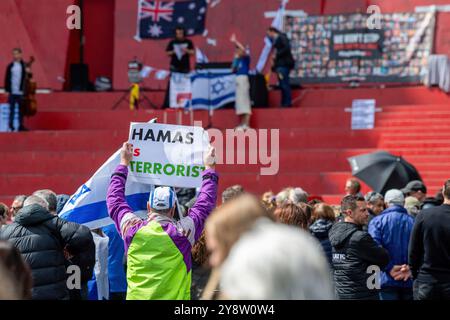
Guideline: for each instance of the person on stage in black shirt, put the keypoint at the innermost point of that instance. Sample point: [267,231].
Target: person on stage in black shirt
[15,86]
[179,50]
[283,62]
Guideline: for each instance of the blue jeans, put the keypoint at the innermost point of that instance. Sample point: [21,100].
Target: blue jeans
[14,100]
[283,80]
[393,293]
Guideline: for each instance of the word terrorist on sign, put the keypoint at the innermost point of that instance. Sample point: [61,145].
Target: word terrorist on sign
[167,169]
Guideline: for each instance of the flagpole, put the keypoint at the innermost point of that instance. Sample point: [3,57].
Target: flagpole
[137,37]
[209,101]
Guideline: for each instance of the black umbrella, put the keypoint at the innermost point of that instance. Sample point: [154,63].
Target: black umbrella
[383,171]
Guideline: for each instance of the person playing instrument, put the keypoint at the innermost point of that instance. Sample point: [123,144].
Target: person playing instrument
[14,85]
[241,66]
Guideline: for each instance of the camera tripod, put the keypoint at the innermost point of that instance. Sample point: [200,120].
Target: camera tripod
[142,96]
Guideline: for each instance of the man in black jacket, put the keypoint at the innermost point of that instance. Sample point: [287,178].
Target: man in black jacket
[283,63]
[429,251]
[14,85]
[44,240]
[355,254]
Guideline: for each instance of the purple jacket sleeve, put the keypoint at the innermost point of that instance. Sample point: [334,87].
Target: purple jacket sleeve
[206,201]
[115,199]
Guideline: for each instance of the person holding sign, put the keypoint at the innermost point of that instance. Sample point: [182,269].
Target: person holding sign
[159,248]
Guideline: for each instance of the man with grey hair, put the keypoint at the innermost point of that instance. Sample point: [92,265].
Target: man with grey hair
[45,242]
[50,197]
[392,230]
[33,199]
[298,195]
[276,262]
[375,205]
[17,205]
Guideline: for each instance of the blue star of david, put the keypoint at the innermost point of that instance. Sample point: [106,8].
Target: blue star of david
[218,87]
[84,189]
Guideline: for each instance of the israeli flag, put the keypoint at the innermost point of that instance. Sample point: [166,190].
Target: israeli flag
[212,88]
[88,205]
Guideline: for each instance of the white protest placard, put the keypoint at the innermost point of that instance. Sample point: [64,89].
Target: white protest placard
[167,155]
[363,114]
[180,90]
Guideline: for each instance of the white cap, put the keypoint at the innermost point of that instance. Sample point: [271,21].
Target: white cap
[395,197]
[162,198]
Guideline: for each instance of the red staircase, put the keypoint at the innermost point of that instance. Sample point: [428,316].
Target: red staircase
[74,133]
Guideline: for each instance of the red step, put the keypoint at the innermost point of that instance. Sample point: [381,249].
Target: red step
[65,101]
[271,118]
[308,97]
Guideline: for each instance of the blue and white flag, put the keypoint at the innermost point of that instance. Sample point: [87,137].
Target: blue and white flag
[278,24]
[88,205]
[212,89]
[157,19]
[200,57]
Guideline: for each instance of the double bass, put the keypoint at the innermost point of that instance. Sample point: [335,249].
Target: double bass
[29,103]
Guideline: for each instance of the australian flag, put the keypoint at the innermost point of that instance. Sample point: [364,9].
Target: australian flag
[157,19]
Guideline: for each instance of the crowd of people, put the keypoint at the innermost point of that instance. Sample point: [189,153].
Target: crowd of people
[287,245]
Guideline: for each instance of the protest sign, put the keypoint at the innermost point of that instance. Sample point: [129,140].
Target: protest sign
[167,155]
[363,114]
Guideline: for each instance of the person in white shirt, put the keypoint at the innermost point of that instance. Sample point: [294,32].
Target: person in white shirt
[14,85]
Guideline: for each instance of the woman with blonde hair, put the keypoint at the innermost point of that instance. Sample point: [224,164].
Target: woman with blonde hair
[224,228]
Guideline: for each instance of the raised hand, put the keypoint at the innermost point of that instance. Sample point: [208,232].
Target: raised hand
[210,158]
[126,154]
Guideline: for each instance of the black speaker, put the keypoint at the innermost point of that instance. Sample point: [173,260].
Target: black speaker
[259,94]
[79,77]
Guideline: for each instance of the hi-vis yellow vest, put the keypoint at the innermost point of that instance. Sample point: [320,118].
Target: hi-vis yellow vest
[155,267]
